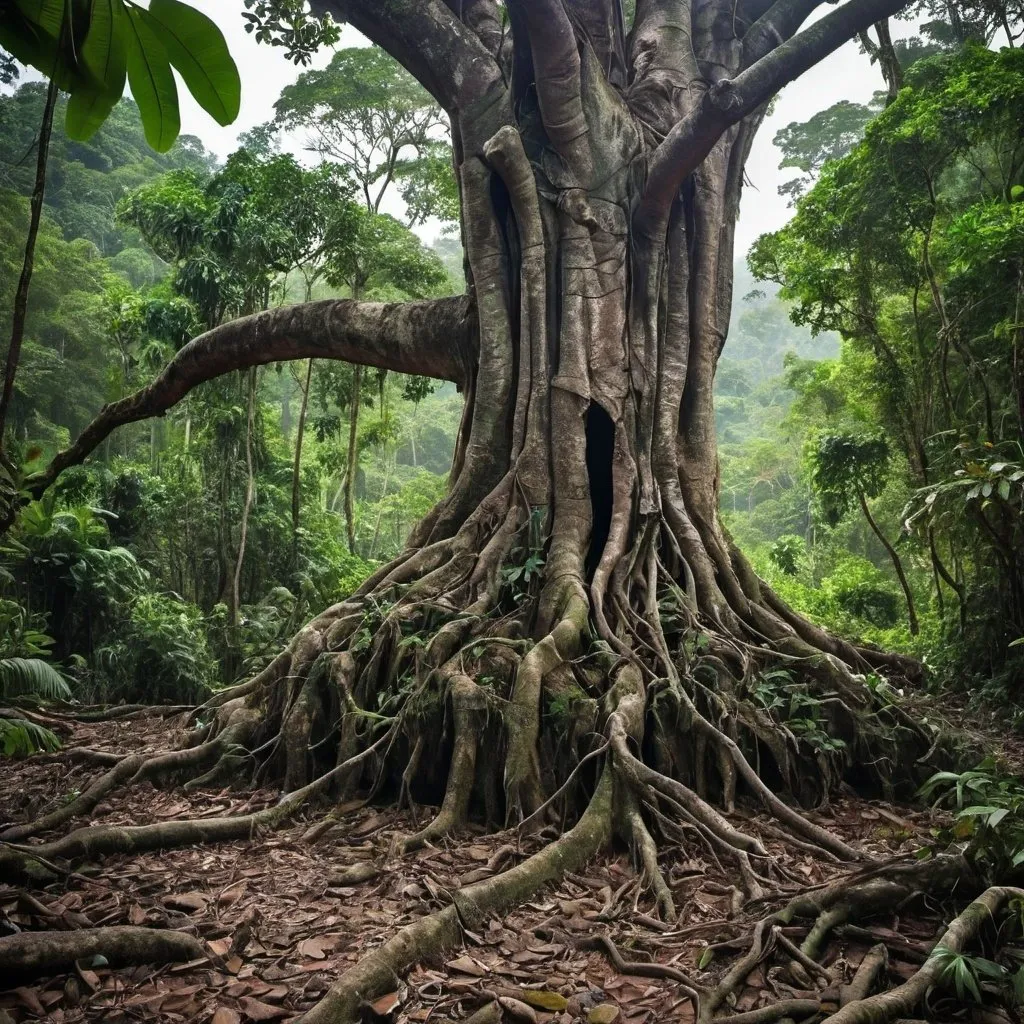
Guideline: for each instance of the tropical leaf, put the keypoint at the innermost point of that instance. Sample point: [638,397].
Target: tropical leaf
[19,738]
[151,80]
[196,47]
[103,58]
[23,676]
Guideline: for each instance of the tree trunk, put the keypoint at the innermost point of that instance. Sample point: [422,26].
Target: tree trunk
[897,564]
[20,311]
[352,459]
[300,431]
[250,494]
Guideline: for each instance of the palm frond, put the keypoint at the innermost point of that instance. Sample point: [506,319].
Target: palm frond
[19,738]
[31,676]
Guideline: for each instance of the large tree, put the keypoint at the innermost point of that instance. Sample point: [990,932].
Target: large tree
[575,594]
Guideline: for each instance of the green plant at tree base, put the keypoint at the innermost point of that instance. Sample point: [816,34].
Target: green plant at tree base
[988,809]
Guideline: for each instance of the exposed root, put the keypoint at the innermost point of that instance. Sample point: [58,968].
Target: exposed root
[884,1007]
[29,954]
[431,935]
[83,804]
[90,843]
[875,963]
[469,707]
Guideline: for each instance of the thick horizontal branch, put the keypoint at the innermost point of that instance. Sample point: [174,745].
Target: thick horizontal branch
[730,100]
[433,338]
[447,57]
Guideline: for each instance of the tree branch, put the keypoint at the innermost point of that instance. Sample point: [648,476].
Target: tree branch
[775,26]
[434,338]
[603,23]
[425,36]
[730,100]
[556,64]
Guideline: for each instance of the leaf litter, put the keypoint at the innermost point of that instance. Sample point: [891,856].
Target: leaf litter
[282,915]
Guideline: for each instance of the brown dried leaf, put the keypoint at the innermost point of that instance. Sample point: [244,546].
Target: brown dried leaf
[192,902]
[225,1015]
[518,1009]
[256,1010]
[467,965]
[313,948]
[386,1004]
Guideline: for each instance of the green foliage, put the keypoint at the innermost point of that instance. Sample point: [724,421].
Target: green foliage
[844,468]
[20,737]
[20,677]
[787,553]
[988,808]
[90,54]
[782,696]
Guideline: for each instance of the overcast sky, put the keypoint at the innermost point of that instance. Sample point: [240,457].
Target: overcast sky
[265,71]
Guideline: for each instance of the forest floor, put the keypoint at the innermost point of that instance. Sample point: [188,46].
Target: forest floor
[281,916]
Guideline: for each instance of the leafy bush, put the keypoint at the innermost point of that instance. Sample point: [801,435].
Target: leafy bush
[988,818]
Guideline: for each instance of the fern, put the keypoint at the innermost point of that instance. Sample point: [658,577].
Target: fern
[19,738]
[21,677]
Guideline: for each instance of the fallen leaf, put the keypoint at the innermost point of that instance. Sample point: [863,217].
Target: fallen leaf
[518,1009]
[544,1000]
[225,1015]
[313,948]
[603,1013]
[386,1004]
[190,901]
[256,1010]
[466,965]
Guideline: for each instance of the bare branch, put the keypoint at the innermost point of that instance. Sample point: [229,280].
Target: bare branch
[730,100]
[434,338]
[775,26]
[425,36]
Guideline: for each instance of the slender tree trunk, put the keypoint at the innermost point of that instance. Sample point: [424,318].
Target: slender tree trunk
[896,563]
[250,494]
[20,311]
[300,430]
[352,461]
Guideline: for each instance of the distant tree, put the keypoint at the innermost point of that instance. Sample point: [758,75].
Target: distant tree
[847,469]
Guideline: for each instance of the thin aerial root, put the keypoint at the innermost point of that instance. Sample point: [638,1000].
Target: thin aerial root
[732,981]
[803,968]
[884,1007]
[647,854]
[29,954]
[644,968]
[409,775]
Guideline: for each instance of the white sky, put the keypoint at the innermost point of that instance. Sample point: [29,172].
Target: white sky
[265,71]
